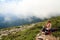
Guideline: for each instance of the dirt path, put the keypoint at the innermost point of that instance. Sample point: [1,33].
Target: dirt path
[45,37]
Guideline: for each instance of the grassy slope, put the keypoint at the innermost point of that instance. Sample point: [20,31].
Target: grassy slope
[56,24]
[29,34]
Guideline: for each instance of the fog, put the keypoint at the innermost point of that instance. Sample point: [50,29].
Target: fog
[27,8]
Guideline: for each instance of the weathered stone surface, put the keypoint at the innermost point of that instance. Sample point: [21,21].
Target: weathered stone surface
[45,37]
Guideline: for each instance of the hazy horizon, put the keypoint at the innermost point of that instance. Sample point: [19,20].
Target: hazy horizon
[27,8]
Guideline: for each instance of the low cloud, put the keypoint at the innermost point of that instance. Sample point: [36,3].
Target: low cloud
[26,8]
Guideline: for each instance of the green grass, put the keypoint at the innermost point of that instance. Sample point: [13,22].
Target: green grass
[30,34]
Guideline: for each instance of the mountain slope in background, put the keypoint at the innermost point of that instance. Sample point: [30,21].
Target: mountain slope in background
[30,33]
[10,20]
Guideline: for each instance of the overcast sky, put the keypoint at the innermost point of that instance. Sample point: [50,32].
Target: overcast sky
[38,8]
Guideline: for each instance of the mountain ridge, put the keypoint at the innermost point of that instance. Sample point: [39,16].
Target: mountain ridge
[18,21]
[30,34]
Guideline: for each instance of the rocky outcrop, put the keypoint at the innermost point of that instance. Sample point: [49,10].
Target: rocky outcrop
[45,37]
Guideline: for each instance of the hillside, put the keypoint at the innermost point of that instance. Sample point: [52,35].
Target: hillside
[15,21]
[29,32]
